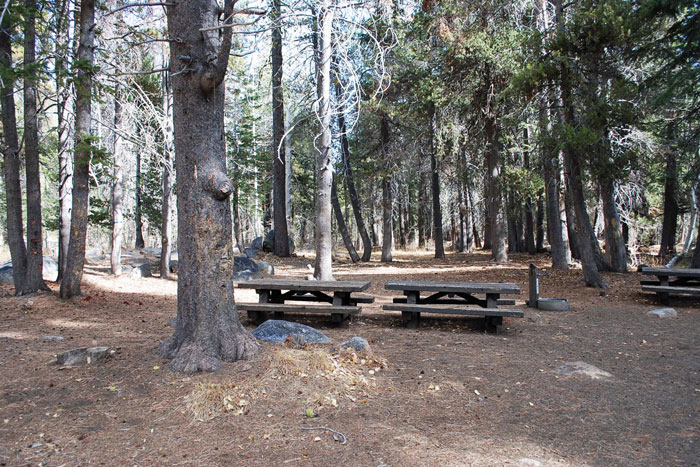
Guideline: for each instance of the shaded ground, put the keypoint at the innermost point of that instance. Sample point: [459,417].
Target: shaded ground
[499,401]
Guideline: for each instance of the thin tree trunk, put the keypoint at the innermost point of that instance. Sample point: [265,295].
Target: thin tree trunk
[670,222]
[279,155]
[435,185]
[166,230]
[323,269]
[35,255]
[138,217]
[695,261]
[117,188]
[539,228]
[70,285]
[208,329]
[387,221]
[614,242]
[495,199]
[529,204]
[421,211]
[571,233]
[11,166]
[342,226]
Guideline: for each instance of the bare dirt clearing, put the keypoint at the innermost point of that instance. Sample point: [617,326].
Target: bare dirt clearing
[448,394]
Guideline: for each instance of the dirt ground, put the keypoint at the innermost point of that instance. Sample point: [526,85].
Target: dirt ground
[448,393]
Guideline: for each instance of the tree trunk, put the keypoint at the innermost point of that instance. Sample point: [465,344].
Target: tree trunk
[11,166]
[342,226]
[539,227]
[35,255]
[695,261]
[421,211]
[166,229]
[560,255]
[495,198]
[571,233]
[138,215]
[208,328]
[670,221]
[614,242]
[387,221]
[117,189]
[435,185]
[279,155]
[529,204]
[70,285]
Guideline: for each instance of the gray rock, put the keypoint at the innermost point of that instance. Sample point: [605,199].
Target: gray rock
[242,276]
[93,252]
[257,243]
[358,344]
[97,354]
[664,313]
[534,317]
[242,263]
[150,251]
[266,269]
[6,273]
[236,250]
[54,338]
[143,270]
[50,271]
[268,244]
[275,330]
[250,252]
[582,368]
[72,357]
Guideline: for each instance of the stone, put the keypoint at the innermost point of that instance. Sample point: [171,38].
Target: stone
[664,313]
[93,252]
[582,368]
[97,354]
[72,357]
[250,252]
[50,271]
[150,251]
[243,263]
[275,330]
[266,269]
[358,344]
[174,266]
[268,244]
[257,243]
[143,270]
[54,338]
[6,273]
[242,276]
[534,317]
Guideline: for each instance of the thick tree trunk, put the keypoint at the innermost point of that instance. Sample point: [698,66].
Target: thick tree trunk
[323,269]
[208,328]
[35,255]
[342,226]
[496,211]
[64,114]
[670,222]
[11,166]
[117,189]
[571,233]
[559,251]
[530,207]
[279,155]
[166,229]
[70,284]
[614,242]
[435,185]
[695,261]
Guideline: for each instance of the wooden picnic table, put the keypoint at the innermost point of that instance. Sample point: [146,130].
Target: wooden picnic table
[456,298]
[669,280]
[331,297]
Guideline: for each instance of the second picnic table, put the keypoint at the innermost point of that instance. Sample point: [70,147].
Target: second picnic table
[332,297]
[686,282]
[456,298]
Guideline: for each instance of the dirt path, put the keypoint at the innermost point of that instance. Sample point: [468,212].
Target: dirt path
[449,395]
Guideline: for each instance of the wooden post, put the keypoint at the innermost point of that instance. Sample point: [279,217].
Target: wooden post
[534,287]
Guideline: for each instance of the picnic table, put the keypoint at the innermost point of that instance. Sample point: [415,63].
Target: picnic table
[330,297]
[457,298]
[669,280]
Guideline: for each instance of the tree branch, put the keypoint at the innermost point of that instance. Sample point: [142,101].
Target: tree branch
[130,5]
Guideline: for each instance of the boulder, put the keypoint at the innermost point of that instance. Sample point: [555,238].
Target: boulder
[275,330]
[72,357]
[50,271]
[6,273]
[664,313]
[93,252]
[269,242]
[143,270]
[150,251]
[97,354]
[242,276]
[250,252]
[257,243]
[266,269]
[358,344]
[243,263]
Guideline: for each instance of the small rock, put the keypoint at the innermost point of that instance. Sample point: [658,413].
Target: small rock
[582,368]
[359,344]
[534,317]
[97,354]
[54,338]
[72,357]
[275,330]
[250,252]
[266,269]
[242,276]
[664,313]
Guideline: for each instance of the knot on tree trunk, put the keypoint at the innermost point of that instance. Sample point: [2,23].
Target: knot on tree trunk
[219,185]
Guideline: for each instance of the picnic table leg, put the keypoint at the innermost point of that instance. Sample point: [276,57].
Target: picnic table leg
[663,296]
[258,317]
[340,299]
[410,318]
[492,300]
[493,323]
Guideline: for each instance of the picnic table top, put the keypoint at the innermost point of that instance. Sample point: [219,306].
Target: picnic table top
[665,272]
[454,287]
[300,284]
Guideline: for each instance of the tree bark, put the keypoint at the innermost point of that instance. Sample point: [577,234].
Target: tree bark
[695,260]
[342,226]
[35,255]
[70,284]
[435,185]
[138,214]
[11,166]
[495,198]
[166,230]
[208,328]
[323,269]
[117,188]
[387,221]
[614,242]
[279,155]
[421,210]
[670,222]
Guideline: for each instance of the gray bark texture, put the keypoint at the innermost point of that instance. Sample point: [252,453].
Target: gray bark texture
[208,328]
[435,185]
[279,155]
[669,226]
[614,242]
[342,226]
[73,275]
[117,189]
[496,211]
[35,255]
[387,195]
[166,230]
[11,166]
[323,268]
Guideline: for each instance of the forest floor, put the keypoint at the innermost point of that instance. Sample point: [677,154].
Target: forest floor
[442,394]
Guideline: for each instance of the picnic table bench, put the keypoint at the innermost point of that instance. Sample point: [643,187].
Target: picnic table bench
[456,298]
[331,297]
[684,282]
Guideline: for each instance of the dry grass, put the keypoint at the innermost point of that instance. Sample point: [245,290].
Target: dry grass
[310,379]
